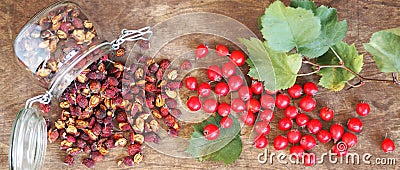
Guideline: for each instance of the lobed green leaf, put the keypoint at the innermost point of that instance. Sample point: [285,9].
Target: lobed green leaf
[278,71]
[384,47]
[285,28]
[336,78]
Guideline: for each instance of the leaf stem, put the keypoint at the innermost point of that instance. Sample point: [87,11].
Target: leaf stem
[337,56]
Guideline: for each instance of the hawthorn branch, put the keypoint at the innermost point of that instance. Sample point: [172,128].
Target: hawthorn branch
[362,80]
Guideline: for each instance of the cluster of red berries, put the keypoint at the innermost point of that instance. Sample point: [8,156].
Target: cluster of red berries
[225,80]
[314,126]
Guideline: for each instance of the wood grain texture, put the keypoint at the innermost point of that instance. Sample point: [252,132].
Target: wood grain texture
[364,18]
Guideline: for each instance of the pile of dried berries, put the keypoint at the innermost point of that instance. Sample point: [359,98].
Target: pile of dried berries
[58,35]
[94,115]
[161,94]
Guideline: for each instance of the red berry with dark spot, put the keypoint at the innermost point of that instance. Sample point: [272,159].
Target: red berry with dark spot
[238,57]
[354,124]
[295,91]
[363,109]
[291,112]
[260,141]
[257,87]
[314,126]
[228,69]
[267,101]
[267,115]
[285,124]
[221,50]
[302,120]
[248,118]
[235,82]
[308,104]
[388,145]
[336,132]
[324,136]
[326,114]
[191,83]
[194,103]
[262,128]
[224,109]
[211,132]
[280,142]
[204,89]
[201,51]
[294,136]
[245,93]
[226,122]
[214,73]
[307,142]
[310,88]
[282,101]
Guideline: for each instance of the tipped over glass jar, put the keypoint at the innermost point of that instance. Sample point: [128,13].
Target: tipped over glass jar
[57,45]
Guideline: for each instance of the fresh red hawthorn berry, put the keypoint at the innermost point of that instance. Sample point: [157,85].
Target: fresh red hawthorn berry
[260,141]
[310,88]
[221,50]
[201,51]
[326,114]
[282,101]
[388,145]
[354,124]
[211,132]
[308,104]
[295,91]
[363,109]
[238,57]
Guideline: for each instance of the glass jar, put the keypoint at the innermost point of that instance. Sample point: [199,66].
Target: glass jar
[56,45]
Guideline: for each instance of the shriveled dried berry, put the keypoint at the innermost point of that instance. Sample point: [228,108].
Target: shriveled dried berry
[69,160]
[74,151]
[138,158]
[134,149]
[88,162]
[128,161]
[121,142]
[96,156]
[53,135]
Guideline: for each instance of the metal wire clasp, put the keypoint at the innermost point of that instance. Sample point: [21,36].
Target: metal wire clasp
[131,35]
[44,99]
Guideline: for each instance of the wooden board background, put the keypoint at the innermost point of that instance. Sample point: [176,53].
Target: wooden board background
[364,18]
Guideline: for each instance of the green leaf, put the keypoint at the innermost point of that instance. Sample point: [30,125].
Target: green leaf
[336,78]
[227,147]
[286,28]
[228,154]
[332,32]
[278,71]
[306,4]
[385,49]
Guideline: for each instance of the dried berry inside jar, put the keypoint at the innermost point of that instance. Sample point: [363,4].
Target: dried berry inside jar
[53,39]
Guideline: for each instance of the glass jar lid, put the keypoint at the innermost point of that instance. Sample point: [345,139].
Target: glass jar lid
[28,140]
